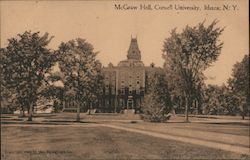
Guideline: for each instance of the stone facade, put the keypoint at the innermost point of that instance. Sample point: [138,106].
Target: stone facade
[125,84]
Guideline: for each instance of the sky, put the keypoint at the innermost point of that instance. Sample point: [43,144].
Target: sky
[109,30]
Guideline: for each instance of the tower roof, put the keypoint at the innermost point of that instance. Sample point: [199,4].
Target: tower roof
[133,51]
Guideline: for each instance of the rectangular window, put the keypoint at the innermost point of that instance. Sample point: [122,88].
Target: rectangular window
[122,91]
[137,91]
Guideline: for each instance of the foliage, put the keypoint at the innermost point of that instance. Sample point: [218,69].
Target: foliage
[157,102]
[7,95]
[219,100]
[175,87]
[188,54]
[55,94]
[26,62]
[8,103]
[81,72]
[239,84]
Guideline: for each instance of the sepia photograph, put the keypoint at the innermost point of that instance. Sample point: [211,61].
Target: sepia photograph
[124,79]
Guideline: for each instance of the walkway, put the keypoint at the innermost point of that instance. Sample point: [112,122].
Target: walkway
[242,149]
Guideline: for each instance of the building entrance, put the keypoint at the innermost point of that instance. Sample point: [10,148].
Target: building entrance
[130,104]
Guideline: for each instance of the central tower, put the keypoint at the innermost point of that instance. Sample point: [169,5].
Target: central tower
[133,51]
[125,83]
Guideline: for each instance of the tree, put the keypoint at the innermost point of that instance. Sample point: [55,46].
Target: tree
[27,61]
[232,103]
[177,93]
[55,94]
[157,102]
[191,52]
[220,100]
[81,72]
[239,84]
[53,89]
[7,95]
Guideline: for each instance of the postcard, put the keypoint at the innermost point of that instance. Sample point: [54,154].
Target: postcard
[124,79]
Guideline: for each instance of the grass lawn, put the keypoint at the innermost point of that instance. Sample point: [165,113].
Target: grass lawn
[67,142]
[72,117]
[227,128]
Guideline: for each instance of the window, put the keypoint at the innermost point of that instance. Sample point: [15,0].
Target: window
[137,91]
[122,91]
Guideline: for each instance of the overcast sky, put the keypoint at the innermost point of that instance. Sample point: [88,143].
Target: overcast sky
[110,30]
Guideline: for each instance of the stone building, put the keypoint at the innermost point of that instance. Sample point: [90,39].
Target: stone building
[126,83]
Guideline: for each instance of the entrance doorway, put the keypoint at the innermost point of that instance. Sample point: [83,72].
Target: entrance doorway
[130,104]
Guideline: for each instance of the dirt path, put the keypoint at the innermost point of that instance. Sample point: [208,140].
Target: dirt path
[189,131]
[216,145]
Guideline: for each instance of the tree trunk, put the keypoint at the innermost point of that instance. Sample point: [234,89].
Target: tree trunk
[78,113]
[30,112]
[243,115]
[21,112]
[186,109]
